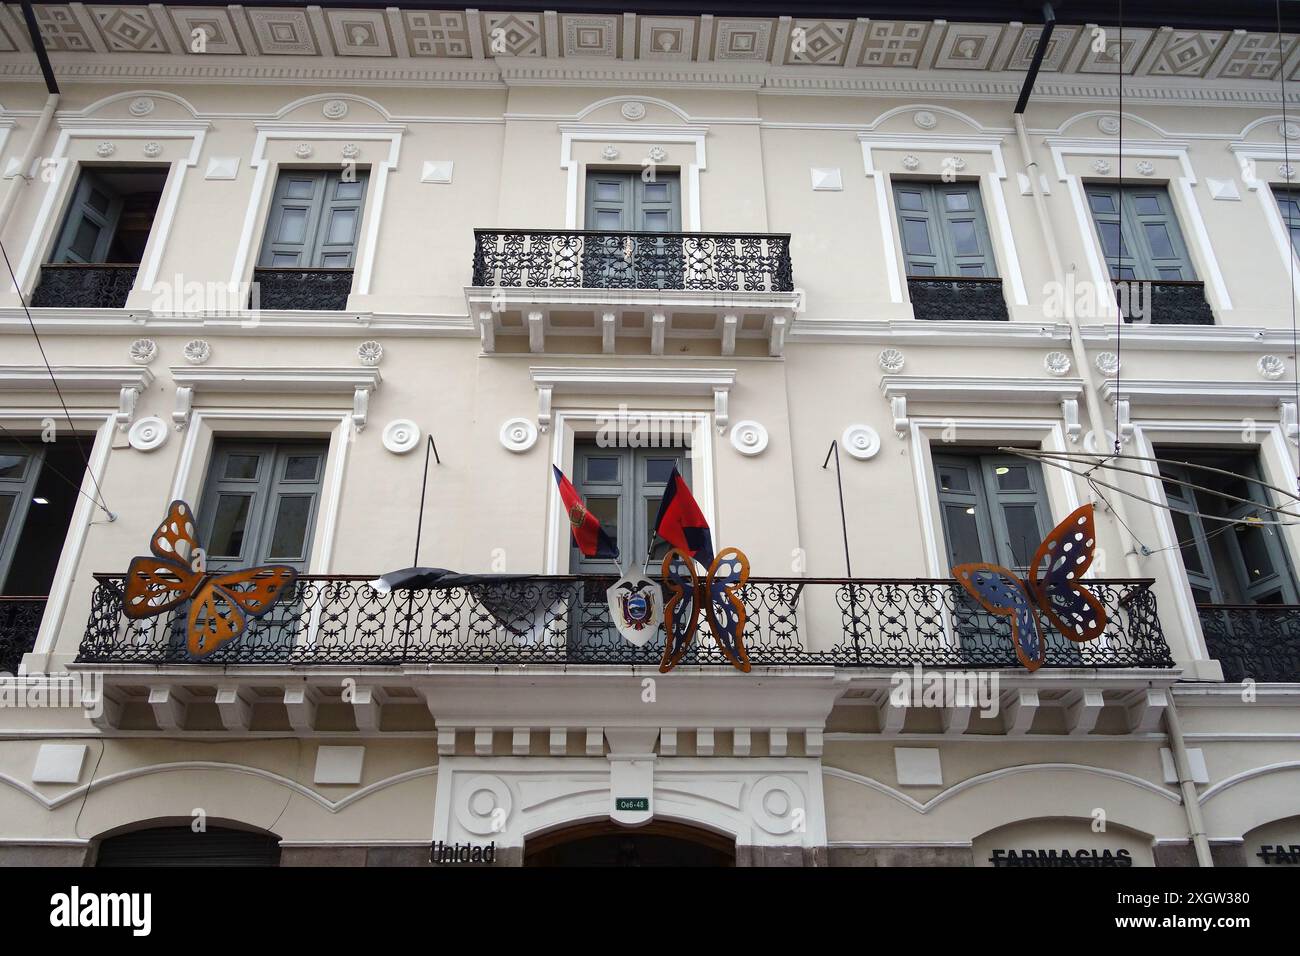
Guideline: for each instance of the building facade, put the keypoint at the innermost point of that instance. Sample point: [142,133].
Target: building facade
[263,255]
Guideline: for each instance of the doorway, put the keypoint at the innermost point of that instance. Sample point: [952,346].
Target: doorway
[606,844]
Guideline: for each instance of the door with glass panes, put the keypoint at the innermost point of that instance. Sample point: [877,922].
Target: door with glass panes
[260,506]
[19,467]
[994,509]
[624,202]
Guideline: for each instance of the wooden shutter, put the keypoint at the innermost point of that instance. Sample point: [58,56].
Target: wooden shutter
[315,220]
[610,201]
[943,229]
[340,224]
[19,469]
[1147,244]
[91,222]
[922,247]
[658,203]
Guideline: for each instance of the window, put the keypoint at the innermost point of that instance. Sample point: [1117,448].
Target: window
[110,216]
[944,231]
[1232,556]
[315,220]
[1288,202]
[622,487]
[38,492]
[623,202]
[1145,241]
[260,503]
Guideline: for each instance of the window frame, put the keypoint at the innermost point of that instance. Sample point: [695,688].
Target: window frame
[23,489]
[632,203]
[1141,258]
[990,502]
[938,220]
[320,208]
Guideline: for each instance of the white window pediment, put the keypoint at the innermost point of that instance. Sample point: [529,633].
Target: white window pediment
[357,383]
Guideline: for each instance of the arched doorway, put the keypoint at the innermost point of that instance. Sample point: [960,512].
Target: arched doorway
[605,843]
[181,846]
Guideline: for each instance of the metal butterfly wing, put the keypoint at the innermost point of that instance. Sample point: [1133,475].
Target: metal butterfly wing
[681,610]
[156,584]
[727,576]
[227,603]
[1002,593]
[1068,550]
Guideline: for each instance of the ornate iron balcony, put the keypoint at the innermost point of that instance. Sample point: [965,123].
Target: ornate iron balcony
[20,619]
[946,298]
[304,290]
[1259,642]
[74,285]
[338,619]
[701,261]
[1169,302]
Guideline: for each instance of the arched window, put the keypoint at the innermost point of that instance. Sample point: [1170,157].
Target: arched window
[181,846]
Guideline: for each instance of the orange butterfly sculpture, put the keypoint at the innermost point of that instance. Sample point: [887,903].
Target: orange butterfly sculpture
[223,603]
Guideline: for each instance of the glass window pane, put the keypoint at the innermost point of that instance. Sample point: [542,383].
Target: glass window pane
[98,201]
[1185,532]
[1147,205]
[957,202]
[964,242]
[602,469]
[1254,550]
[346,190]
[7,503]
[972,270]
[293,226]
[229,526]
[1102,202]
[914,269]
[656,192]
[1162,247]
[658,470]
[661,547]
[609,191]
[241,467]
[1023,532]
[916,237]
[656,222]
[963,534]
[336,260]
[1123,272]
[289,534]
[343,224]
[606,511]
[301,467]
[300,189]
[1170,273]
[1110,239]
[953,479]
[284,259]
[13,466]
[910,200]
[608,219]
[1012,478]
[84,242]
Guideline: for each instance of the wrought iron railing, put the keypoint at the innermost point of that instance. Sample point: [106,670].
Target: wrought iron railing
[569,259]
[1167,302]
[1259,642]
[20,619]
[306,290]
[960,297]
[564,619]
[75,285]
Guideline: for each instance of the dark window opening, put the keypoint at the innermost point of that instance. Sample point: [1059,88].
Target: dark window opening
[181,846]
[110,216]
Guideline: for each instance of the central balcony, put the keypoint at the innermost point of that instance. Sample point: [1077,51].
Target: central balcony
[858,623]
[727,287]
[1259,642]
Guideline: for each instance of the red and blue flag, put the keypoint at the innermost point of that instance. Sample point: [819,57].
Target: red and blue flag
[588,535]
[681,523]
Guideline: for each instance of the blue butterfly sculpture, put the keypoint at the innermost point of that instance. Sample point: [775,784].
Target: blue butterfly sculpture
[717,597]
[1070,607]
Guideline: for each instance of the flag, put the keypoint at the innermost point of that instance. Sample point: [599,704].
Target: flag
[588,535]
[681,523]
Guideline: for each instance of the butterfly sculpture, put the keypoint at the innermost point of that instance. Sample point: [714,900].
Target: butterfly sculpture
[223,603]
[1070,607]
[716,597]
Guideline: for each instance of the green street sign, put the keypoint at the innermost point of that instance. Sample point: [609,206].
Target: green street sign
[632,804]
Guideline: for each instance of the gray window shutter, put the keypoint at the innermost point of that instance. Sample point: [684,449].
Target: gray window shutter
[610,201]
[963,506]
[622,487]
[315,220]
[19,469]
[944,231]
[1151,246]
[340,224]
[922,245]
[91,222]
[658,203]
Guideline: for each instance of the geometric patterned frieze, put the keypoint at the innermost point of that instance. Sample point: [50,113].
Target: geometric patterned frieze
[823,43]
[894,43]
[219,35]
[1187,53]
[666,38]
[1135,42]
[742,39]
[967,46]
[61,31]
[283,32]
[1058,47]
[359,32]
[129,29]
[513,34]
[437,34]
[590,36]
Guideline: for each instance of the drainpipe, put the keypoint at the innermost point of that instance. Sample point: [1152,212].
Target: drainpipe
[29,156]
[1191,799]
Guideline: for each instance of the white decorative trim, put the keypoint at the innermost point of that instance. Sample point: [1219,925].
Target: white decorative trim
[860,441]
[437,171]
[633,110]
[197,351]
[1145,167]
[304,150]
[924,119]
[143,351]
[141,106]
[401,435]
[749,437]
[911,162]
[1057,363]
[1107,363]
[1249,155]
[1102,166]
[609,153]
[147,434]
[357,382]
[370,352]
[152,149]
[260,196]
[826,179]
[892,360]
[334,109]
[518,434]
[1271,367]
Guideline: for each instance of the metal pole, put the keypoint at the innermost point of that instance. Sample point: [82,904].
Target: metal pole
[844,525]
[424,485]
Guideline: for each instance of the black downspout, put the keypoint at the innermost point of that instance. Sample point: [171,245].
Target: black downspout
[1049,23]
[38,45]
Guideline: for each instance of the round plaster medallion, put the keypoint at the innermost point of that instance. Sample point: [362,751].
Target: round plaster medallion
[1057,363]
[401,435]
[1101,165]
[1146,167]
[370,352]
[748,437]
[147,434]
[197,351]
[1271,367]
[152,149]
[1289,130]
[609,152]
[955,162]
[1108,363]
[1286,170]
[657,154]
[633,110]
[518,434]
[777,805]
[143,351]
[351,151]
[105,149]
[141,106]
[303,150]
[891,360]
[1108,125]
[911,162]
[1091,446]
[483,804]
[925,119]
[335,109]
[860,441]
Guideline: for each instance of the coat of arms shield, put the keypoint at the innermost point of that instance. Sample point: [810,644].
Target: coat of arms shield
[636,606]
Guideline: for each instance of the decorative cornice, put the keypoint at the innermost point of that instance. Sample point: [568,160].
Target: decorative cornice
[807,331]
[950,388]
[1187,392]
[318,380]
[74,378]
[632,381]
